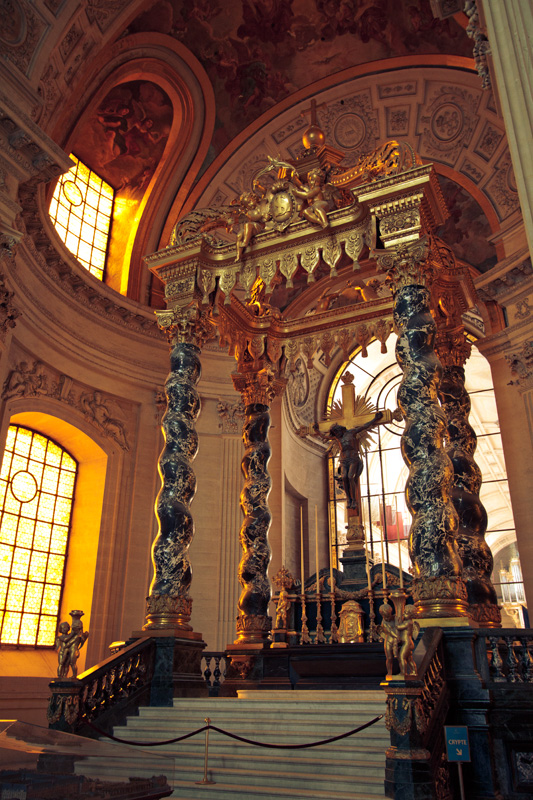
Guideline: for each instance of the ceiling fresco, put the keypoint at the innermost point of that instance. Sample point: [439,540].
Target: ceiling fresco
[257,52]
[124,139]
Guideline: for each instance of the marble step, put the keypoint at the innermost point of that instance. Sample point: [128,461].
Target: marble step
[190,791]
[358,767]
[351,769]
[140,729]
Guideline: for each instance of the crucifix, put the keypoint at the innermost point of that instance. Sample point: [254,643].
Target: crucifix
[347,428]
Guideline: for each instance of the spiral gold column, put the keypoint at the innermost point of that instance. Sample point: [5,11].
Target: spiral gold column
[438,588]
[253,622]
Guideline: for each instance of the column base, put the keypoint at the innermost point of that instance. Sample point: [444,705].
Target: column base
[253,629]
[446,622]
[174,632]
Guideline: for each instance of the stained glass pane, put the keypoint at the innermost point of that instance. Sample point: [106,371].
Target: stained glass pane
[34,595]
[21,562]
[47,631]
[59,540]
[28,629]
[8,529]
[73,210]
[23,442]
[34,528]
[11,627]
[43,531]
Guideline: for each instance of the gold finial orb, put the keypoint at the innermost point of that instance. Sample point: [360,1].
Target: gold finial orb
[313,137]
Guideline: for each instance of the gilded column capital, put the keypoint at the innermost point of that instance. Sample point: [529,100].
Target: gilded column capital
[452,346]
[258,386]
[406,265]
[187,324]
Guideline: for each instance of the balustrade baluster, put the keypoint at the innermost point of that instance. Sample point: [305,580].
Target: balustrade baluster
[496,666]
[512,660]
[207,671]
[526,661]
[217,673]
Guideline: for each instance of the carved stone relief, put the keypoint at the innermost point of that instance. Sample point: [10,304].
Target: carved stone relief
[231,415]
[521,366]
[21,28]
[351,125]
[302,413]
[8,312]
[447,121]
[103,12]
[35,379]
[501,188]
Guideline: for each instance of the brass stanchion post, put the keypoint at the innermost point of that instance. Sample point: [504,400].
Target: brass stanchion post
[205,781]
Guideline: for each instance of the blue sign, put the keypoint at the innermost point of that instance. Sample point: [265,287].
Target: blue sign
[457,745]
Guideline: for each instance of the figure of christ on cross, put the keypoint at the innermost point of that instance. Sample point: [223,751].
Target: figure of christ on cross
[348,429]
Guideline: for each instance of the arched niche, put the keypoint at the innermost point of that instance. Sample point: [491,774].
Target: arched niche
[83,549]
[155,79]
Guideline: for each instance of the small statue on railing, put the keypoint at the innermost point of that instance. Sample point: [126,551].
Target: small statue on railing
[399,634]
[282,609]
[68,644]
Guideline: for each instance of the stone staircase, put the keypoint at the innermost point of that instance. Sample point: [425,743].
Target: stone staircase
[351,769]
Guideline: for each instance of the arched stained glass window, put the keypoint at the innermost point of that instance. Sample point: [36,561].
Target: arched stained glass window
[81,210]
[386,518]
[37,481]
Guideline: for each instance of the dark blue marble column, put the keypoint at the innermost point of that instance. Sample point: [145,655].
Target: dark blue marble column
[438,588]
[253,622]
[169,604]
[473,549]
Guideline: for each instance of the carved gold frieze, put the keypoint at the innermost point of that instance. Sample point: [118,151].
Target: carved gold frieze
[391,158]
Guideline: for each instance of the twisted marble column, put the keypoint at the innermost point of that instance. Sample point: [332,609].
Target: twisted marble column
[437,587]
[253,621]
[169,604]
[473,549]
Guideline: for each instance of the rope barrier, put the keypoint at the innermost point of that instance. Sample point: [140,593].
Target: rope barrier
[238,738]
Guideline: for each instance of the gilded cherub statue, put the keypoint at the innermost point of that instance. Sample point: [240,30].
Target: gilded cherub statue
[282,609]
[387,631]
[399,635]
[408,630]
[312,193]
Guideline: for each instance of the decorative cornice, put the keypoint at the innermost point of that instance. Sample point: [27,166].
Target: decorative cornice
[504,281]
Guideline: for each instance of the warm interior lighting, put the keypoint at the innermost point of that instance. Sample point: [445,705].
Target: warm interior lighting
[37,481]
[81,210]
